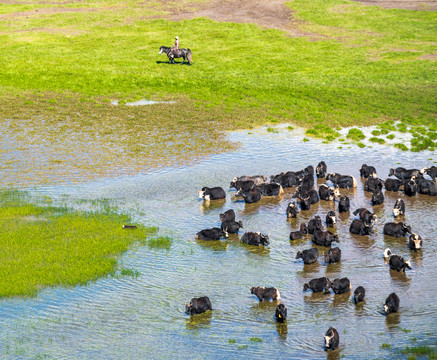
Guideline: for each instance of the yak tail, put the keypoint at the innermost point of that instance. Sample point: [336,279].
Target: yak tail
[189,56]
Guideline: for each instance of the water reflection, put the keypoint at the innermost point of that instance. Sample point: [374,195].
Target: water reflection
[207,207]
[265,204]
[363,241]
[341,299]
[359,307]
[198,321]
[258,250]
[282,330]
[392,321]
[333,269]
[333,354]
[400,277]
[417,258]
[308,268]
[298,242]
[216,245]
[319,297]
[396,243]
[343,217]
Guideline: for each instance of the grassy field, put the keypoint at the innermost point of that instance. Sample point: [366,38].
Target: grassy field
[362,67]
[44,246]
[64,63]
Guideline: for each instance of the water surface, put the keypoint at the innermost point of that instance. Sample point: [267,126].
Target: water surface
[143,318]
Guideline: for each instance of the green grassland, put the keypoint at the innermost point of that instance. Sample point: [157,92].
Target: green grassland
[45,246]
[357,65]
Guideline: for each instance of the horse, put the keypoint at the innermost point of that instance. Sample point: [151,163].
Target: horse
[183,53]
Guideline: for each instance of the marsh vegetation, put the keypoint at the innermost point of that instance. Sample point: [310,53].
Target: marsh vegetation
[45,246]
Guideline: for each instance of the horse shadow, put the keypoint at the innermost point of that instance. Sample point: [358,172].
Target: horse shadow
[169,63]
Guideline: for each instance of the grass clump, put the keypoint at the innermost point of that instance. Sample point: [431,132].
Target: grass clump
[386,346]
[377,140]
[130,273]
[45,246]
[401,146]
[161,242]
[272,130]
[401,127]
[376,132]
[355,134]
[391,136]
[323,132]
[420,351]
[387,126]
[422,143]
[256,339]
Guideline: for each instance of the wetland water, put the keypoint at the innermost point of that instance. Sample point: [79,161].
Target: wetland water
[143,317]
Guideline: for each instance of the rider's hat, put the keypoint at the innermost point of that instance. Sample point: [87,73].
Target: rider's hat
[176,38]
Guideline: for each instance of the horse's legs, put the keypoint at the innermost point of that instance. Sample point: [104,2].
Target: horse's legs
[170,59]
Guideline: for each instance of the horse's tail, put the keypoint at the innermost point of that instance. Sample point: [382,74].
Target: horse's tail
[189,56]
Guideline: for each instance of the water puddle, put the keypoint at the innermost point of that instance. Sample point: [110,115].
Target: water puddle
[110,318]
[143,102]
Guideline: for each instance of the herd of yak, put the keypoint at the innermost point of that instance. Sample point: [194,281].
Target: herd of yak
[253,188]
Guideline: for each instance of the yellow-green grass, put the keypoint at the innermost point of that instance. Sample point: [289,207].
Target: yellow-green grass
[360,65]
[43,246]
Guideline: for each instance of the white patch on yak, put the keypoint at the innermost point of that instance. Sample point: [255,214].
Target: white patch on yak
[327,340]
[201,194]
[354,182]
[387,253]
[278,295]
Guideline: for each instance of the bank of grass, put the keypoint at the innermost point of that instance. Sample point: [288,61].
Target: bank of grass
[359,65]
[44,246]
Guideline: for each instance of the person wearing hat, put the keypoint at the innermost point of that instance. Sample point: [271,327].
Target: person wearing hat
[175,47]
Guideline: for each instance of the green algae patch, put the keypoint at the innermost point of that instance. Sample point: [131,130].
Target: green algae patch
[44,246]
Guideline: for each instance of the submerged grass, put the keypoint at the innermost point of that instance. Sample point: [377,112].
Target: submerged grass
[161,242]
[58,79]
[425,350]
[46,246]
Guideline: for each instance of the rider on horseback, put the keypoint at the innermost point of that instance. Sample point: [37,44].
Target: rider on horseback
[175,47]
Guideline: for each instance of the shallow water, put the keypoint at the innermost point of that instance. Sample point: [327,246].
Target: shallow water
[143,102]
[138,318]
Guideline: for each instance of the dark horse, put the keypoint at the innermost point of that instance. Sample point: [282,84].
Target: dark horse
[183,53]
